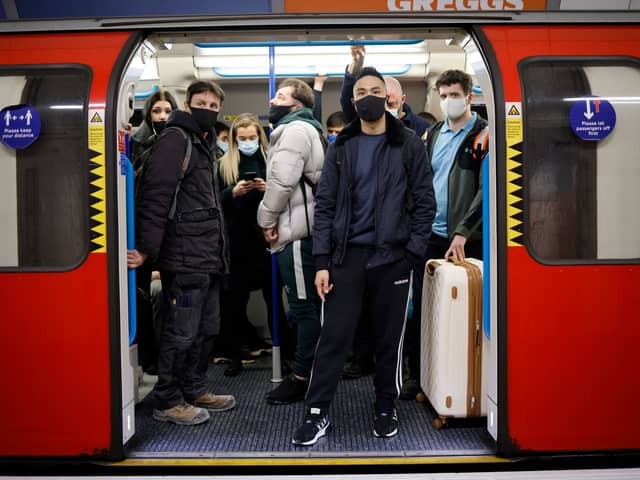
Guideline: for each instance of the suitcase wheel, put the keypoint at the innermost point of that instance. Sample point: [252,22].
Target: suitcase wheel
[439,422]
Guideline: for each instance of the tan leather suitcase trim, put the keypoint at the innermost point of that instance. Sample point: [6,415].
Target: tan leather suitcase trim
[474,354]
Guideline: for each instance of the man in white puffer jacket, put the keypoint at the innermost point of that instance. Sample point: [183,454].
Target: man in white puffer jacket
[286,216]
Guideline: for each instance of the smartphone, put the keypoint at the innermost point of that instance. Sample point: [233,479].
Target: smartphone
[248,176]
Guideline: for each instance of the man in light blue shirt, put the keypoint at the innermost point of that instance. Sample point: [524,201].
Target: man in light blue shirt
[444,153]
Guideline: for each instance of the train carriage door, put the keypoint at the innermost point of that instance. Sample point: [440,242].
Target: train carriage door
[59,360]
[486,108]
[571,232]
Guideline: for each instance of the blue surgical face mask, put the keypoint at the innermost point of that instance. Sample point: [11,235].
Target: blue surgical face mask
[332,138]
[248,147]
[224,146]
[393,112]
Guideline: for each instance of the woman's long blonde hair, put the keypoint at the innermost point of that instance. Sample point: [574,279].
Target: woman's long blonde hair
[231,160]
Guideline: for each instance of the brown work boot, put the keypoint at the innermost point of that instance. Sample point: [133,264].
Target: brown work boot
[183,414]
[216,403]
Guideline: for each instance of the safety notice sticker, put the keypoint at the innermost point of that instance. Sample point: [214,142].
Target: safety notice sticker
[20,126]
[592,118]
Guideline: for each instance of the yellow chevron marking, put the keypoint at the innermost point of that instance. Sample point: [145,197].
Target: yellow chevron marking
[514,192]
[97,198]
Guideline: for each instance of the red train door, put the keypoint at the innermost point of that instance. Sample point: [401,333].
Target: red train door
[60,358]
[570,276]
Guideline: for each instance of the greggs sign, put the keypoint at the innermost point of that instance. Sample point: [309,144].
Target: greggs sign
[328,6]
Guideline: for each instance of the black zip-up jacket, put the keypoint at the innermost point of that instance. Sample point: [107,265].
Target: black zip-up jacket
[398,232]
[194,240]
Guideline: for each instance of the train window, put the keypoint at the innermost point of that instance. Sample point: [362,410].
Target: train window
[44,188]
[581,195]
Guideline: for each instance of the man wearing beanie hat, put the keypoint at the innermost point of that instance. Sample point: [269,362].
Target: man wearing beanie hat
[373,214]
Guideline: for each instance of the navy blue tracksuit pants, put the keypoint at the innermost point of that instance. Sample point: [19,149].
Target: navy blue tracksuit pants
[388,288]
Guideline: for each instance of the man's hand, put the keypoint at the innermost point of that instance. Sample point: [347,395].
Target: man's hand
[456,249]
[135,258]
[323,287]
[357,53]
[271,234]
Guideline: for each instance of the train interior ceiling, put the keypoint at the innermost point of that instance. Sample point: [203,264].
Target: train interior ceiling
[239,63]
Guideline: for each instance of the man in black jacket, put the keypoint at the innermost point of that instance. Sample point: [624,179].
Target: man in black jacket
[373,215]
[363,348]
[188,248]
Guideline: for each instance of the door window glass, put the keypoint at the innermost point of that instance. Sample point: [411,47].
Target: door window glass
[580,195]
[44,198]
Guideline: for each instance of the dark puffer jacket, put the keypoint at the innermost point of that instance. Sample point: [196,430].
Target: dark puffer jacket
[194,240]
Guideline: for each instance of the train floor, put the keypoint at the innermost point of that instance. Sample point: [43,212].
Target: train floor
[256,429]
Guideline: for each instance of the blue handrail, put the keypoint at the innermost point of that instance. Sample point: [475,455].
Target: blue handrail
[131,244]
[486,249]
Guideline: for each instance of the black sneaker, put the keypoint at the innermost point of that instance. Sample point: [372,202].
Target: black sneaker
[385,423]
[315,425]
[289,391]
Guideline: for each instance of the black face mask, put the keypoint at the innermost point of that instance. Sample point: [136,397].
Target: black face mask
[278,112]
[159,126]
[205,118]
[371,108]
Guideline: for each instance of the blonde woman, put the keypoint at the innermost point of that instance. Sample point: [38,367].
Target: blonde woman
[242,177]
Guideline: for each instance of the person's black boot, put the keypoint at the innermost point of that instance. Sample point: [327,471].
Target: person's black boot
[357,368]
[291,390]
[234,369]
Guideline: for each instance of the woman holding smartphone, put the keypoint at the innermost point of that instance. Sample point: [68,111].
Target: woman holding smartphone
[242,177]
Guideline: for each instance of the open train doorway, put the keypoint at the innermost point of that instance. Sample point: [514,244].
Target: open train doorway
[240,64]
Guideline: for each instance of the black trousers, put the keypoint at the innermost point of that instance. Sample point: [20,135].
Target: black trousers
[193,316]
[387,290]
[237,330]
[146,336]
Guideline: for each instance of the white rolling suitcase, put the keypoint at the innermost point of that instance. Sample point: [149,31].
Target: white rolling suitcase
[453,346]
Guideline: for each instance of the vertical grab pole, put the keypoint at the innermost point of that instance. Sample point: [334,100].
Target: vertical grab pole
[276,370]
[131,244]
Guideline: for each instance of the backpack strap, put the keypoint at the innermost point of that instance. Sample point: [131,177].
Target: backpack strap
[185,165]
[304,180]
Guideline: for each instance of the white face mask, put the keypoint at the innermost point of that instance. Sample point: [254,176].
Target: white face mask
[248,147]
[453,108]
[393,112]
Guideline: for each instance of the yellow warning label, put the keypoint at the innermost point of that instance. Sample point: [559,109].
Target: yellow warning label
[97,181]
[513,110]
[514,173]
[96,118]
